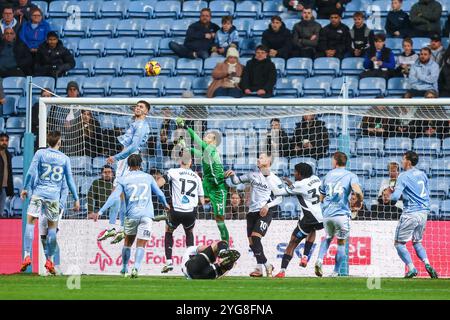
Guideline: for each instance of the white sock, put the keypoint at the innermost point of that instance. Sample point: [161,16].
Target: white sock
[26,254]
[169,261]
[282,270]
[426,261]
[319,261]
[411,266]
[267,265]
[259,267]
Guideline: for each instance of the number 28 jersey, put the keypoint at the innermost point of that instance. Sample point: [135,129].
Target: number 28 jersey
[185,188]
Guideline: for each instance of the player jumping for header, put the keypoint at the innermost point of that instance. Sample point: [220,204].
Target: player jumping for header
[213,174]
[47,171]
[412,184]
[134,139]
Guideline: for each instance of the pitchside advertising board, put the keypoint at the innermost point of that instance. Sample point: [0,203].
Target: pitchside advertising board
[371,249]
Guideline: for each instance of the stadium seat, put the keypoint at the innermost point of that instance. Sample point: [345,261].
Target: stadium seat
[352,66]
[248,9]
[177,85]
[427,146]
[9,107]
[438,188]
[178,28]
[272,8]
[326,66]
[43,82]
[280,65]
[210,64]
[289,207]
[317,86]
[108,66]
[14,144]
[113,9]
[191,9]
[129,27]
[141,9]
[332,123]
[370,146]
[72,45]
[200,85]
[87,9]
[382,7]
[164,45]
[102,28]
[81,164]
[440,167]
[92,46]
[167,9]
[279,166]
[58,9]
[15,125]
[17,164]
[299,66]
[119,46]
[354,6]
[157,28]
[371,186]
[221,8]
[123,86]
[247,46]
[96,85]
[291,86]
[361,166]
[323,166]
[446,147]
[16,207]
[61,84]
[83,66]
[445,210]
[18,184]
[419,43]
[43,5]
[397,86]
[243,26]
[76,27]
[397,146]
[352,85]
[372,86]
[395,44]
[311,161]
[134,66]
[425,164]
[167,65]
[258,27]
[14,85]
[145,46]
[57,25]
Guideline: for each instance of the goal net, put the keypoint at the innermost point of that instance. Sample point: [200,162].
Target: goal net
[373,132]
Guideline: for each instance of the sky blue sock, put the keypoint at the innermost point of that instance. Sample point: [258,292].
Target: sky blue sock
[340,257]
[138,257]
[51,236]
[403,254]
[113,211]
[324,248]
[28,239]
[126,253]
[57,255]
[122,212]
[420,251]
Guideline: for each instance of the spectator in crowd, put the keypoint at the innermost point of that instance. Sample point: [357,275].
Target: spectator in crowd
[385,209]
[437,50]
[394,171]
[379,61]
[57,117]
[16,59]
[335,39]
[363,213]
[33,33]
[397,21]
[425,18]
[277,38]
[406,59]
[199,38]
[326,7]
[6,176]
[444,75]
[22,10]
[310,138]
[92,135]
[2,93]
[227,77]
[226,37]
[8,21]
[423,75]
[277,142]
[259,75]
[53,59]
[235,210]
[362,36]
[72,90]
[45,93]
[100,190]
[168,126]
[372,126]
[305,35]
[298,5]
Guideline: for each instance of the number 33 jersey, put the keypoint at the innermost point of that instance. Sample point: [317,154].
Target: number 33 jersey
[307,193]
[185,188]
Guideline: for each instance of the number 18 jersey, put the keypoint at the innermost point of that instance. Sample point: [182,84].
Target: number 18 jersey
[185,188]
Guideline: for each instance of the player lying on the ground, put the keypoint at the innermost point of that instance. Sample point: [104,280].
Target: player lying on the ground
[208,262]
[306,189]
[47,171]
[334,193]
[262,205]
[137,188]
[134,139]
[213,174]
[186,192]
[412,184]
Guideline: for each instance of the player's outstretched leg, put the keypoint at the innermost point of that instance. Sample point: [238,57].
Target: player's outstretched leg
[422,254]
[28,242]
[218,198]
[322,251]
[120,234]
[308,246]
[406,258]
[340,257]
[126,253]
[52,244]
[168,244]
[261,259]
[289,252]
[139,256]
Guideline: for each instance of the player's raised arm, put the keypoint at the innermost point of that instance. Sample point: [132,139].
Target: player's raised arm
[140,134]
[112,199]
[31,174]
[399,187]
[278,189]
[245,178]
[64,194]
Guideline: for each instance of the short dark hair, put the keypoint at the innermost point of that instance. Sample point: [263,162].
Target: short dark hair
[135,160]
[145,103]
[53,137]
[341,158]
[262,47]
[275,120]
[34,9]
[412,156]
[7,7]
[52,34]
[408,40]
[276,18]
[227,19]
[379,37]
[4,135]
[358,14]
[205,9]
[426,49]
[304,169]
[107,166]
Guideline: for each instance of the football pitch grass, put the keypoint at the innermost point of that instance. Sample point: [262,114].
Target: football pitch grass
[31,287]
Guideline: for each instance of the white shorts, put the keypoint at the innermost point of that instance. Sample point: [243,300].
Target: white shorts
[122,170]
[43,223]
[39,208]
[338,227]
[411,226]
[141,228]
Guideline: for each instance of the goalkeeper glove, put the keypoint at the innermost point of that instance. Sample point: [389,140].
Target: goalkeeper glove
[180,122]
[181,142]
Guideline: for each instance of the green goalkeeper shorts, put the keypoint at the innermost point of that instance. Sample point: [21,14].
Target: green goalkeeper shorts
[217,194]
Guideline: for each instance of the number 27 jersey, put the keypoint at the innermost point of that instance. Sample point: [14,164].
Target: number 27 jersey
[185,188]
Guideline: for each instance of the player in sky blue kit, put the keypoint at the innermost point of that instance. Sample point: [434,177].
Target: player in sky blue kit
[48,169]
[412,184]
[134,139]
[137,187]
[334,194]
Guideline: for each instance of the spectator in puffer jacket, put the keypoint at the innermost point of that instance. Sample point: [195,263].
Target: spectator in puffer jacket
[397,21]
[33,33]
[423,75]
[305,35]
[226,37]
[277,38]
[425,18]
[362,36]
[379,60]
[16,59]
[8,21]
[325,8]
[437,50]
[406,59]
[334,39]
[444,75]
[53,59]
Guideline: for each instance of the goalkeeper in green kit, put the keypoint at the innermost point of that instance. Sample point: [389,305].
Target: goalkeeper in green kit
[213,174]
